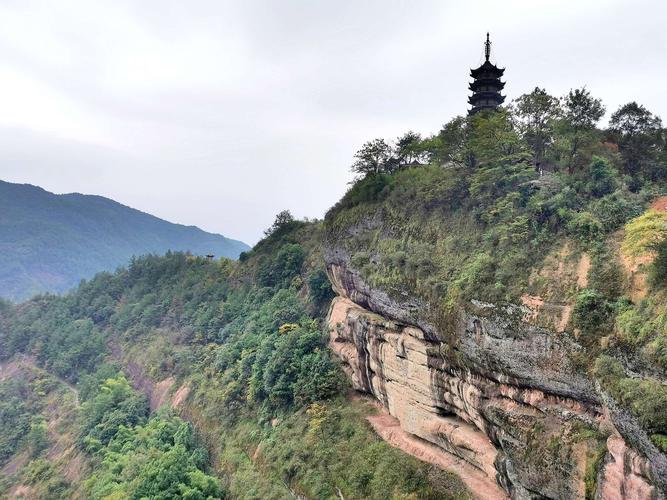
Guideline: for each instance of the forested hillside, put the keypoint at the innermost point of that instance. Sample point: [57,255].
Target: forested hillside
[253,404]
[48,242]
[501,293]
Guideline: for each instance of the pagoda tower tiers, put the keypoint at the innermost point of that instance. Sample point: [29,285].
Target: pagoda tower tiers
[486,86]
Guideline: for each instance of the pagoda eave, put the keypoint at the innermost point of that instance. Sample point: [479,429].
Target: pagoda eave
[493,83]
[486,96]
[490,69]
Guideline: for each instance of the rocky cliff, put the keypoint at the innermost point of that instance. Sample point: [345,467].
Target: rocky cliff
[498,393]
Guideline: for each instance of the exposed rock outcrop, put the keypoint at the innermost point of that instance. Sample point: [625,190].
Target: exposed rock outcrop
[497,392]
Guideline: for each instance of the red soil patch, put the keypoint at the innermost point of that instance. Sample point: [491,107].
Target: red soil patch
[160,393]
[75,468]
[583,267]
[534,303]
[180,396]
[9,370]
[660,204]
[22,491]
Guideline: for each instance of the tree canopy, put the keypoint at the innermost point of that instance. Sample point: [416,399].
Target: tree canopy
[645,233]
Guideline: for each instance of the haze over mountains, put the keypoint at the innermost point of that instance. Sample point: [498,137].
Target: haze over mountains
[50,242]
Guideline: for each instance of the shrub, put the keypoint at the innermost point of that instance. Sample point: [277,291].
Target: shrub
[320,289]
[658,270]
[15,412]
[647,234]
[585,227]
[283,267]
[605,274]
[614,210]
[38,437]
[644,233]
[646,398]
[658,350]
[592,312]
[601,178]
[629,324]
[370,189]
[660,440]
[608,370]
[492,182]
[476,273]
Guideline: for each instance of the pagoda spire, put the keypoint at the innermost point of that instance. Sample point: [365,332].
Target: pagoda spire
[487,47]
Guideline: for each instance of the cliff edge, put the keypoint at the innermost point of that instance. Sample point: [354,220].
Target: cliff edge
[502,384]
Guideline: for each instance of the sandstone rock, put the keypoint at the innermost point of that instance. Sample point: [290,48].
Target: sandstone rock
[502,395]
[625,475]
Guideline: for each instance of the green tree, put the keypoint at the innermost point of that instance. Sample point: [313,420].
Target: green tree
[449,145]
[283,219]
[320,289]
[581,113]
[155,460]
[493,138]
[600,177]
[114,407]
[592,313]
[373,158]
[638,134]
[409,149]
[493,182]
[285,265]
[537,113]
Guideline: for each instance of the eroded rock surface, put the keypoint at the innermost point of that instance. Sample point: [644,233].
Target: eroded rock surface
[498,393]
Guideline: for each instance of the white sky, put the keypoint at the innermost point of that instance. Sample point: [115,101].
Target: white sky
[220,114]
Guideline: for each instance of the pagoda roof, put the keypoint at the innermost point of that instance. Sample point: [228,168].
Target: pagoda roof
[486,96]
[491,82]
[487,67]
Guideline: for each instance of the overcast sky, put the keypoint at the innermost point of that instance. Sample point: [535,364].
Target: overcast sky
[220,114]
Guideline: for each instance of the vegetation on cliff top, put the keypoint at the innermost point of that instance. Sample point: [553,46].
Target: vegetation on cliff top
[473,211]
[462,210]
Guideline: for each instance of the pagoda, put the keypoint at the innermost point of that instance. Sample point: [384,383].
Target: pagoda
[486,86]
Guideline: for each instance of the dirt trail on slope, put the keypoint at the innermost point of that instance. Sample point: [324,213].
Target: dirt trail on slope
[389,429]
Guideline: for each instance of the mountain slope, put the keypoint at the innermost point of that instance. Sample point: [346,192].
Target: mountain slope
[234,348]
[50,242]
[509,324]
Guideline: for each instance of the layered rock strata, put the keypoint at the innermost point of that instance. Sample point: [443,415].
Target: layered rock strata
[499,394]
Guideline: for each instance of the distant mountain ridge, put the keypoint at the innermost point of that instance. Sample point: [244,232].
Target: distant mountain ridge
[49,242]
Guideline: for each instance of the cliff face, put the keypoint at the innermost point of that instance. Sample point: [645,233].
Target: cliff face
[493,390]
